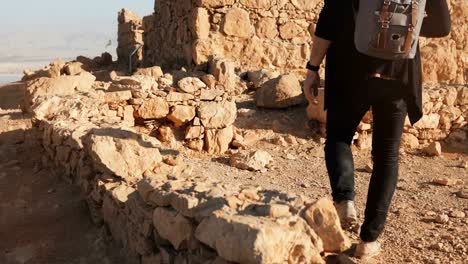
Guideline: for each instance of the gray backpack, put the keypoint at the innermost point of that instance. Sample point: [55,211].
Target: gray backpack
[388,29]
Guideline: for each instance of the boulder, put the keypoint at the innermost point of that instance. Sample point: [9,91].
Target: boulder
[217,141]
[251,160]
[250,239]
[181,114]
[122,153]
[59,86]
[217,114]
[73,68]
[237,23]
[179,97]
[53,70]
[154,72]
[190,85]
[260,77]
[154,108]
[324,220]
[224,71]
[409,141]
[281,92]
[118,96]
[434,149]
[173,227]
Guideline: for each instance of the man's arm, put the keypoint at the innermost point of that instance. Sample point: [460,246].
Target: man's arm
[319,49]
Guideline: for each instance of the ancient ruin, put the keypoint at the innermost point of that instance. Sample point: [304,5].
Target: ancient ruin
[126,139]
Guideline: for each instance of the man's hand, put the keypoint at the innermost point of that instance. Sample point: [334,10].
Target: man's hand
[311,85]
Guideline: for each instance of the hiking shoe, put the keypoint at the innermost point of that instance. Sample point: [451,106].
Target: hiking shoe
[347,213]
[367,249]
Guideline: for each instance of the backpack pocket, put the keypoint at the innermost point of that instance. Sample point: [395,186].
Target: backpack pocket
[393,39]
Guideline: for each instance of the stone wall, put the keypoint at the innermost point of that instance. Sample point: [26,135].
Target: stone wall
[272,35]
[445,112]
[130,36]
[151,202]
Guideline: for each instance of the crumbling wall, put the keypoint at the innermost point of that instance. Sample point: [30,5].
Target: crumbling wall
[168,35]
[130,36]
[273,35]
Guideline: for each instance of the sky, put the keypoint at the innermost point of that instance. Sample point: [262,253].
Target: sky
[41,30]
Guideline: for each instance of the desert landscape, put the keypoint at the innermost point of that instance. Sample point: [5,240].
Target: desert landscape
[209,153]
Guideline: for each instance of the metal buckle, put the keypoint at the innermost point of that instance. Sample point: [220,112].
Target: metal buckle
[385,24]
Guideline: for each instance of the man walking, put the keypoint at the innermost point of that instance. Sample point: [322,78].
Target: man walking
[355,83]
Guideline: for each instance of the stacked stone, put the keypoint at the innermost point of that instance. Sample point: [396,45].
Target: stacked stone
[169,105]
[154,205]
[167,35]
[272,34]
[256,34]
[445,109]
[130,36]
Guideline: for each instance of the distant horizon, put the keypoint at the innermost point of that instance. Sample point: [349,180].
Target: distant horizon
[51,29]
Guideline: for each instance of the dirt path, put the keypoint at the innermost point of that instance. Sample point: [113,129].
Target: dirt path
[43,219]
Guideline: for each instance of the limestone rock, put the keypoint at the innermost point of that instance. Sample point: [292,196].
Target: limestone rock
[173,226]
[258,78]
[73,68]
[434,149]
[237,23]
[179,97]
[154,72]
[224,71]
[217,114]
[258,4]
[209,80]
[428,121]
[190,85]
[122,153]
[447,181]
[210,94]
[267,28]
[248,239]
[53,70]
[214,3]
[194,132]
[281,92]
[251,160]
[409,141]
[217,141]
[324,220]
[291,29]
[181,114]
[60,86]
[305,5]
[118,96]
[200,23]
[154,108]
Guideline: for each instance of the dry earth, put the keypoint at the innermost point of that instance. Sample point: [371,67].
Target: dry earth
[43,219]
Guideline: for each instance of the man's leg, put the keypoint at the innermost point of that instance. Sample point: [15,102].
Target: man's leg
[389,117]
[342,122]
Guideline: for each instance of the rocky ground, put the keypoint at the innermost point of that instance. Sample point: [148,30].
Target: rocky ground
[43,220]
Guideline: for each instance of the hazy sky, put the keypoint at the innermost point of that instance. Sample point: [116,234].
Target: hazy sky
[42,29]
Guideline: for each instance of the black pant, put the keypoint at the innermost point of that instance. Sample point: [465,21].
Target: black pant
[389,111]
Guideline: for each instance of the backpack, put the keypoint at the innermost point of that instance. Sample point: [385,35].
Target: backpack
[388,29]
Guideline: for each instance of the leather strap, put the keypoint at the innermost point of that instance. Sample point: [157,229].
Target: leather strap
[414,21]
[384,20]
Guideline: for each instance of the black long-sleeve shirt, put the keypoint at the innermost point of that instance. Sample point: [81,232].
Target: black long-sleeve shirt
[346,68]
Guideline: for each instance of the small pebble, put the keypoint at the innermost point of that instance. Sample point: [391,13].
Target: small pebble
[442,219]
